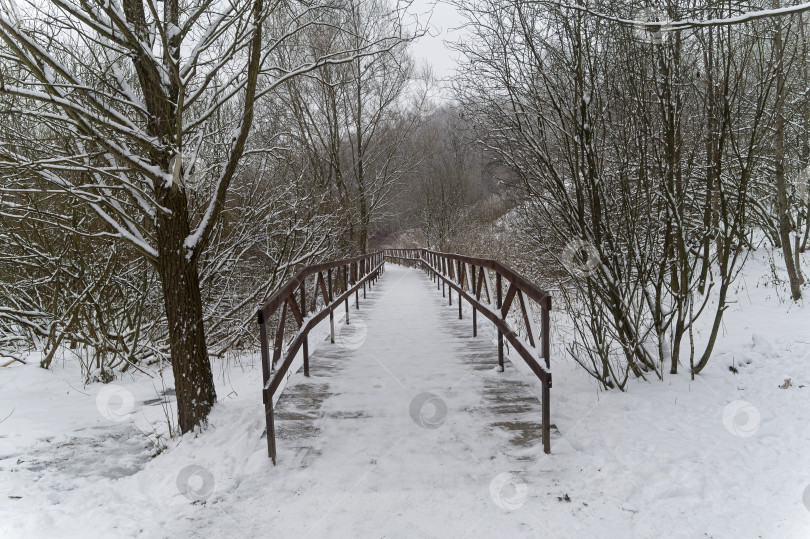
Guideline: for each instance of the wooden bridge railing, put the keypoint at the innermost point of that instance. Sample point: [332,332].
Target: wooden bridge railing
[470,278]
[331,283]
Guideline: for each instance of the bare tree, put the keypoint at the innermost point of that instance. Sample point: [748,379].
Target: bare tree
[140,92]
[783,207]
[444,186]
[355,118]
[636,145]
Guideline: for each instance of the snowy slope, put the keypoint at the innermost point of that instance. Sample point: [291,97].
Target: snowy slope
[727,455]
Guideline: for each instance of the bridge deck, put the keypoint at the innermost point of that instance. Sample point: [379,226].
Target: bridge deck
[402,414]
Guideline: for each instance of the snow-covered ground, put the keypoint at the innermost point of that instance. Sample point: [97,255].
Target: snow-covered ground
[727,455]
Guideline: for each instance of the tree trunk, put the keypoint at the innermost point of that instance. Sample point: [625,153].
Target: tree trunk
[177,268]
[362,200]
[193,379]
[782,204]
[710,154]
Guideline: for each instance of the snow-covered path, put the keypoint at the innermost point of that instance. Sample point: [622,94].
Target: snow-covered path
[407,429]
[403,427]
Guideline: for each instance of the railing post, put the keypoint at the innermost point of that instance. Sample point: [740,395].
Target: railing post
[449,288]
[546,419]
[546,329]
[460,286]
[271,430]
[345,288]
[266,397]
[306,337]
[331,309]
[499,304]
[475,311]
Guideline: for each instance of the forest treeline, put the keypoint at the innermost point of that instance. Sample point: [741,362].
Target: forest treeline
[166,166]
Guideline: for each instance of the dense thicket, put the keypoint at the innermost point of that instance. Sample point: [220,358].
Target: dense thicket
[152,192]
[165,170]
[646,155]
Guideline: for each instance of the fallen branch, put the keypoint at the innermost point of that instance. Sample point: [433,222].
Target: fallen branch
[13,359]
[9,414]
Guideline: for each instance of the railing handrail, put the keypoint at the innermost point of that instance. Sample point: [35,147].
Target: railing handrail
[357,271]
[275,301]
[451,269]
[525,285]
[448,268]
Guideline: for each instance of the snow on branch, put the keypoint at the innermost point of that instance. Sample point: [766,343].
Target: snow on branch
[685,24]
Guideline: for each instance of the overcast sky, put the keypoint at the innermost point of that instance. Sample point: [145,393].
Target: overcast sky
[431,48]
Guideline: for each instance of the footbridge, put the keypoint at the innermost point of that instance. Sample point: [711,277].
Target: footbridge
[441,340]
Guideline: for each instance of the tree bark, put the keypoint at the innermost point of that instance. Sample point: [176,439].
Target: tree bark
[194,382]
[176,265]
[782,204]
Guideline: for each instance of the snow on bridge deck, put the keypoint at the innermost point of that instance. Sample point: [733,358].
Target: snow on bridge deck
[404,414]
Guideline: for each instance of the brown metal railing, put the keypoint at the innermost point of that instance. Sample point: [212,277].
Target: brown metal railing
[332,283]
[470,278]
